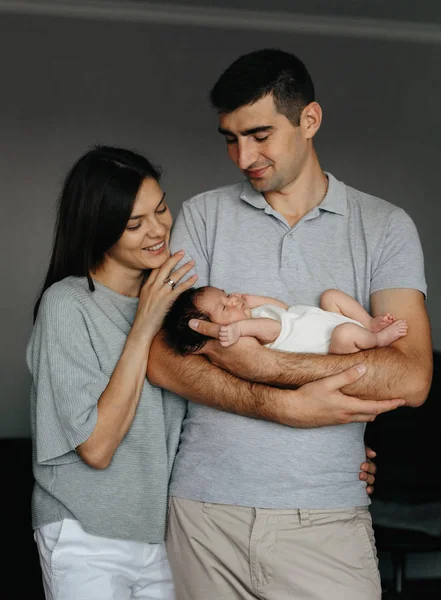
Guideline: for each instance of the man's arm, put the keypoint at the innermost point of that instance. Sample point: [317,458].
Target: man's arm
[402,370]
[316,404]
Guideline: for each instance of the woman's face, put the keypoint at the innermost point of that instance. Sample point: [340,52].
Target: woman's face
[144,243]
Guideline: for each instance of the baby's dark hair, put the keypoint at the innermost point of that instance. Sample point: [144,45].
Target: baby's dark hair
[178,334]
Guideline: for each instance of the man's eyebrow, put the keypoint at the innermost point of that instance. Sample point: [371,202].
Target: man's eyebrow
[133,217]
[246,132]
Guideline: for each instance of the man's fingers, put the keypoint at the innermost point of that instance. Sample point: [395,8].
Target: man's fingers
[372,410]
[204,327]
[377,407]
[335,382]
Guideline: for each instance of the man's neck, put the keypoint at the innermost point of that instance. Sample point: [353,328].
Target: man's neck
[302,195]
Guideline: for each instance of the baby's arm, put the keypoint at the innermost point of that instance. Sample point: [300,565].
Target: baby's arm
[254,301]
[264,330]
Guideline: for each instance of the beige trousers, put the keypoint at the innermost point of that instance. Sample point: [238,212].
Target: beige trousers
[222,552]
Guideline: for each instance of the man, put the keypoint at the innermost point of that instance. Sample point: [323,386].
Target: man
[259,509]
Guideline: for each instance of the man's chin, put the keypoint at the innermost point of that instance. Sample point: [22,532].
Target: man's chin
[260,185]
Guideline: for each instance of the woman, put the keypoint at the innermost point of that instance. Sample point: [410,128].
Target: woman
[103,441]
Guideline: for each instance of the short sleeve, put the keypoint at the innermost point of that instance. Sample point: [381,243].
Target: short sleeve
[190,234]
[66,379]
[400,262]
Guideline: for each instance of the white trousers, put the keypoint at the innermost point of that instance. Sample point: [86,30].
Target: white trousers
[78,566]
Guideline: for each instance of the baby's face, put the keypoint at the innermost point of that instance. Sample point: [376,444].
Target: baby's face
[223,308]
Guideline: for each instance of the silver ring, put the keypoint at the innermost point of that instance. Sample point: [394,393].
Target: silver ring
[170,282]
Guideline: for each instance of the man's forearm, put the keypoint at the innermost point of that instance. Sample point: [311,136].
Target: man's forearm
[317,404]
[196,379]
[391,373]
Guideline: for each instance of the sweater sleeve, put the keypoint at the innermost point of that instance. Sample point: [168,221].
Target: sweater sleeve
[66,378]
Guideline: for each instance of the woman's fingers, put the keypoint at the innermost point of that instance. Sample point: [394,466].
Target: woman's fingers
[370,453]
[177,275]
[369,479]
[185,285]
[163,272]
[167,279]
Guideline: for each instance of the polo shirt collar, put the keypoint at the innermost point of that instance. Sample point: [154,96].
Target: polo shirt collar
[334,201]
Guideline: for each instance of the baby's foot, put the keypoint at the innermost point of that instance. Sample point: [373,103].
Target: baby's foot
[392,333]
[379,323]
[229,334]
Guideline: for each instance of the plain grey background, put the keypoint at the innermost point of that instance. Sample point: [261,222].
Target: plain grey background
[69,83]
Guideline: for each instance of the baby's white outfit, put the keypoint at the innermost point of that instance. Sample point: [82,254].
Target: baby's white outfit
[304,328]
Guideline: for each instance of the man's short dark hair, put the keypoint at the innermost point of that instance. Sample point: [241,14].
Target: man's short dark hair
[258,74]
[178,334]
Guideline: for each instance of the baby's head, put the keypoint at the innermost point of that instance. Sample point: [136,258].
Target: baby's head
[206,303]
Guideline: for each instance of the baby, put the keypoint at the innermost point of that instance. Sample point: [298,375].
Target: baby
[340,326]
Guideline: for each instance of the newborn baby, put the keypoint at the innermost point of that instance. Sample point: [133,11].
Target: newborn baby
[340,326]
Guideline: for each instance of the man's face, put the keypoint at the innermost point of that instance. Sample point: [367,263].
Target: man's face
[268,149]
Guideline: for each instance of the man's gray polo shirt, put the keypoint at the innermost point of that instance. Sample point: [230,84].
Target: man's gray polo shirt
[353,242]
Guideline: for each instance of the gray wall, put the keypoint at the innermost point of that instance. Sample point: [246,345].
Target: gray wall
[67,84]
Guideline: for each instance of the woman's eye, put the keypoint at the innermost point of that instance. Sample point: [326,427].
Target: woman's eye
[134,227]
[161,211]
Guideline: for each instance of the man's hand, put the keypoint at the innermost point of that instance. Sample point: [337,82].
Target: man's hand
[322,403]
[368,470]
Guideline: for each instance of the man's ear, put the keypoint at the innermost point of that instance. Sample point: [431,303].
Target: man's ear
[311,119]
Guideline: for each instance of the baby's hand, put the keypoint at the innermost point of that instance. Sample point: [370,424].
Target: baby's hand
[229,334]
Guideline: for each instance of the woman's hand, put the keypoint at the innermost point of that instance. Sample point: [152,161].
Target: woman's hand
[368,470]
[159,291]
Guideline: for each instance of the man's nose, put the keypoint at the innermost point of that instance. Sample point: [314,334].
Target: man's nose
[246,155]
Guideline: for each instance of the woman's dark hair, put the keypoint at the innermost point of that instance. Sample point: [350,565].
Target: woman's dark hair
[269,71]
[178,334]
[93,209]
